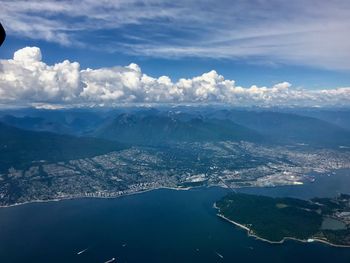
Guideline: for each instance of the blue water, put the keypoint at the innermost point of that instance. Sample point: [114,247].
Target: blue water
[157,226]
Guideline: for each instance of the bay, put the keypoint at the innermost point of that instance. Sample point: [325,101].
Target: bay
[157,226]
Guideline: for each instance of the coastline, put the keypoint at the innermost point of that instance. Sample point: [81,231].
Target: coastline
[93,197]
[275,242]
[63,198]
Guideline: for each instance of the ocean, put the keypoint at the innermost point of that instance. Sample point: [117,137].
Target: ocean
[157,226]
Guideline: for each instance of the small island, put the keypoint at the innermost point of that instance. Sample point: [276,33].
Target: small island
[277,219]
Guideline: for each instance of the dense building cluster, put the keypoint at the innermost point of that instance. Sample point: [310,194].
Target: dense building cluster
[183,165]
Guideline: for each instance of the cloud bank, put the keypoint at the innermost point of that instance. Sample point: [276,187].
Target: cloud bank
[27,80]
[312,33]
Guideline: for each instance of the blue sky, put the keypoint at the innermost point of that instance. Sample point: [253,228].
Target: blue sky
[245,71]
[254,42]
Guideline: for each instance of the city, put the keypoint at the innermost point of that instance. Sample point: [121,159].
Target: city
[180,166]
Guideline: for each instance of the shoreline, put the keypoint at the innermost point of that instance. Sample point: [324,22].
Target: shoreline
[127,194]
[143,191]
[93,197]
[275,242]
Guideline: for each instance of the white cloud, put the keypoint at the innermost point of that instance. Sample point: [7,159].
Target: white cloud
[27,80]
[28,54]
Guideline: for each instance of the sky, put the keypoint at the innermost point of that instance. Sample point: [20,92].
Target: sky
[242,53]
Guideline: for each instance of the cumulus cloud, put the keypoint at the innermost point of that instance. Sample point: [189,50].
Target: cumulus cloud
[27,80]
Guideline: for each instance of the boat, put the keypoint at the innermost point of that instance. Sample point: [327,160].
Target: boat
[82,251]
[111,260]
[219,255]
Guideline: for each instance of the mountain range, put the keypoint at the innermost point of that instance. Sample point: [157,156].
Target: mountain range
[34,135]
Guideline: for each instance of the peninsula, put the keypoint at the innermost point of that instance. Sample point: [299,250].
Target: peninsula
[276,219]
